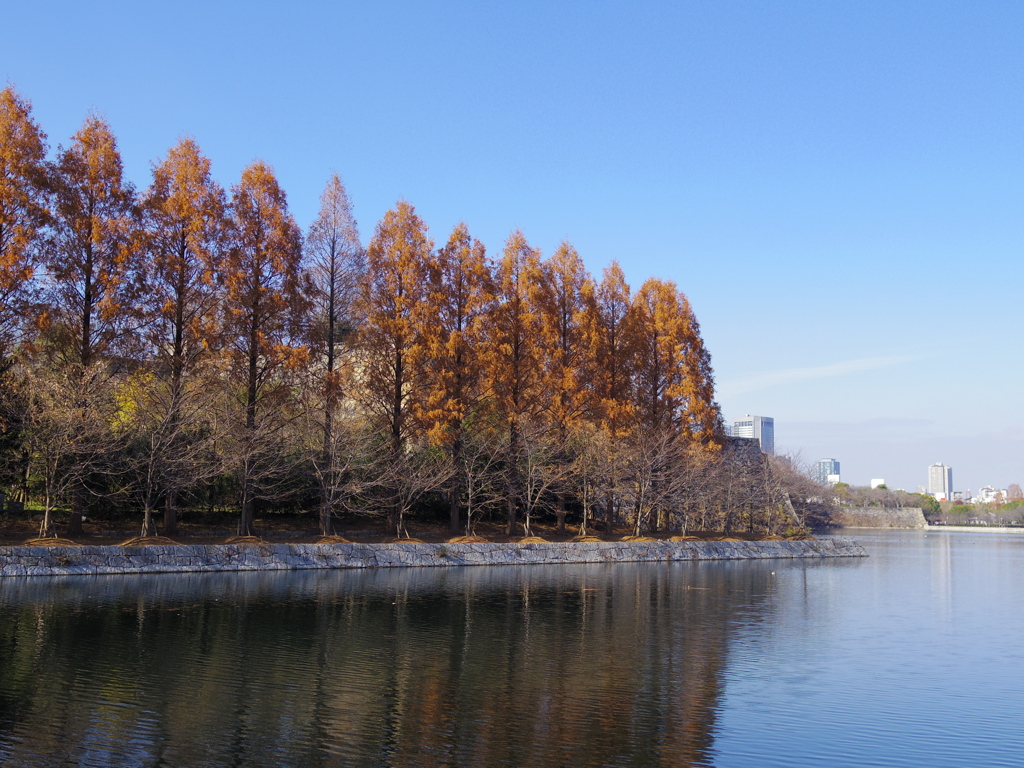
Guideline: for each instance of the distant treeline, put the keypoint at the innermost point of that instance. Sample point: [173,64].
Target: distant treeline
[183,346]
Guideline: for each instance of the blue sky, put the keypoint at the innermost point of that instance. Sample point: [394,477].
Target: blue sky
[838,187]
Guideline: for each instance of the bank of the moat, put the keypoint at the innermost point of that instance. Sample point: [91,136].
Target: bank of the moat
[95,560]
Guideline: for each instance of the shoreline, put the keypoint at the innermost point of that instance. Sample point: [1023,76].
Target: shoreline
[974,529]
[939,528]
[18,561]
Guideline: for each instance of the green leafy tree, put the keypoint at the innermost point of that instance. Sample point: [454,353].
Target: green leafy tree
[930,506]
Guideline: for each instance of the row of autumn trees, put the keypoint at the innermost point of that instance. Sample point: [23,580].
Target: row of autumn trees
[182,344]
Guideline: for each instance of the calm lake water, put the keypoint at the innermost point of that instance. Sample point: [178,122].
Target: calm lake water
[912,656]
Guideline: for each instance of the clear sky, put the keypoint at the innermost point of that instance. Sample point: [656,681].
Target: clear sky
[837,186]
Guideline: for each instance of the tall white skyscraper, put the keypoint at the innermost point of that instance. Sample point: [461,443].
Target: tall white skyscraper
[940,481]
[761,427]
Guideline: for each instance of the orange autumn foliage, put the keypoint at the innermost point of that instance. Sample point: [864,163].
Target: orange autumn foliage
[24,187]
[459,296]
[264,303]
[609,342]
[392,309]
[95,260]
[674,386]
[186,222]
[564,297]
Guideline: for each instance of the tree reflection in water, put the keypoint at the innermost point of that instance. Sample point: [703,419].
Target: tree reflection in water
[538,666]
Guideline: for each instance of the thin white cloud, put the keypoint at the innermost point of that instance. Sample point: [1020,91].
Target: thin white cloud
[791,375]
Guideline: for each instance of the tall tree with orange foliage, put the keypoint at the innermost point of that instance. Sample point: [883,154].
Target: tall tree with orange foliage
[565,295]
[392,343]
[94,262]
[674,385]
[265,301]
[610,346]
[459,296]
[24,187]
[337,264]
[512,355]
[185,216]
[185,213]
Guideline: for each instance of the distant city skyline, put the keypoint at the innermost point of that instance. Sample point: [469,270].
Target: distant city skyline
[889,449]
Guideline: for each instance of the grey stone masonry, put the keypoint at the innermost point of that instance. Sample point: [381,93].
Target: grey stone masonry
[63,560]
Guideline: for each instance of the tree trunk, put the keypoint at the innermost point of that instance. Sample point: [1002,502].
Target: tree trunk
[328,471]
[453,511]
[513,483]
[560,512]
[394,509]
[245,523]
[455,491]
[77,507]
[392,527]
[637,518]
[148,523]
[46,529]
[326,524]
[177,388]
[510,527]
[24,473]
[171,514]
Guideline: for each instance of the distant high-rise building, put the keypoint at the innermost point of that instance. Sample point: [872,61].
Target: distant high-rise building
[877,482]
[825,470]
[989,495]
[760,427]
[940,481]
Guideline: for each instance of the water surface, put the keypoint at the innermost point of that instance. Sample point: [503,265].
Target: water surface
[909,657]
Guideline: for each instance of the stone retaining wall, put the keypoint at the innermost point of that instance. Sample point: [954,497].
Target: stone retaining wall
[61,560]
[879,517]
